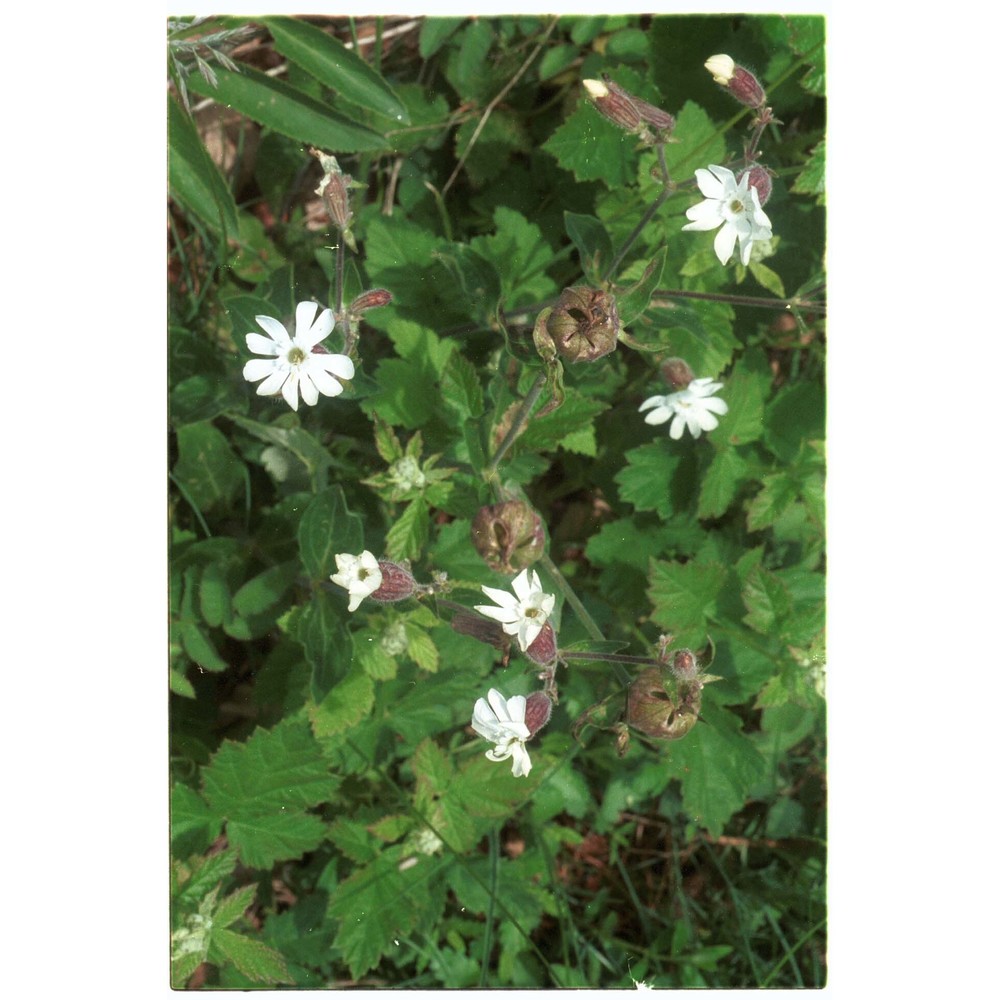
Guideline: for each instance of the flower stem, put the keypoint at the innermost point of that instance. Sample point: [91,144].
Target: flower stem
[634,235]
[743,300]
[489,473]
[642,661]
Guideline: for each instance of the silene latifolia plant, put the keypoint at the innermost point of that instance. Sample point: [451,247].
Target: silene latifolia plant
[497,508]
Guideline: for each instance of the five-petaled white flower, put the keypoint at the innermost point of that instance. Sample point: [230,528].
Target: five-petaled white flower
[522,613]
[291,363]
[694,407]
[358,575]
[502,722]
[735,207]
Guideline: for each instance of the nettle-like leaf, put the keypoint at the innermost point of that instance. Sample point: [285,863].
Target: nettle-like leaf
[646,480]
[717,765]
[384,901]
[327,528]
[593,148]
[520,255]
[262,788]
[684,598]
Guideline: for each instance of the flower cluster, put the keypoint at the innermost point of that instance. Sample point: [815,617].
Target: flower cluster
[294,364]
[694,408]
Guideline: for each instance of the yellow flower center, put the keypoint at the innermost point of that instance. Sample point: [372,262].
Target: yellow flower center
[296,356]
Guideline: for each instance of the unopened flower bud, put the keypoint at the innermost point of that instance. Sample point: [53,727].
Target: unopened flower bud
[626,110]
[370,300]
[480,628]
[616,106]
[537,711]
[543,650]
[658,713]
[677,373]
[509,536]
[685,665]
[337,199]
[397,583]
[738,80]
[760,180]
[583,325]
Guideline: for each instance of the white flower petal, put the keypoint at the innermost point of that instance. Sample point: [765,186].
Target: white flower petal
[522,762]
[336,364]
[715,405]
[326,384]
[704,216]
[290,390]
[725,240]
[259,344]
[319,331]
[272,383]
[500,597]
[652,401]
[710,184]
[304,314]
[659,416]
[274,330]
[310,394]
[677,427]
[258,368]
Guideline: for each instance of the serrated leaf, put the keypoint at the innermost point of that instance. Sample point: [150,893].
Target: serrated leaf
[291,112]
[812,177]
[717,765]
[408,535]
[720,482]
[547,432]
[327,528]
[353,838]
[767,278]
[645,482]
[779,492]
[254,959]
[745,392]
[347,703]
[234,906]
[421,649]
[460,387]
[190,817]
[767,600]
[195,180]
[433,770]
[520,255]
[261,789]
[337,67]
[593,148]
[592,242]
[683,597]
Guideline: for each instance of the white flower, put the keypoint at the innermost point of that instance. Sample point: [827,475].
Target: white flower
[693,407]
[735,207]
[358,575]
[721,67]
[502,722]
[525,612]
[291,364]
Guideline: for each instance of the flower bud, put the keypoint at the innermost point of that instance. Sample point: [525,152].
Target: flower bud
[584,324]
[659,713]
[509,536]
[685,665]
[480,628]
[615,105]
[537,710]
[397,583]
[370,300]
[738,80]
[626,110]
[677,373]
[338,200]
[543,650]
[760,180]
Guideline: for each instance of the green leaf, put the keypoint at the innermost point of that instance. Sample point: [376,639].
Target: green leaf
[254,959]
[684,596]
[206,466]
[812,178]
[767,600]
[717,765]
[435,31]
[721,480]
[555,60]
[460,387]
[592,242]
[421,649]
[779,492]
[520,255]
[632,301]
[266,589]
[346,705]
[326,529]
[200,647]
[191,820]
[767,278]
[214,597]
[195,180]
[745,392]
[550,431]
[702,142]
[335,66]
[262,787]
[796,414]
[593,148]
[327,643]
[646,480]
[289,111]
[234,906]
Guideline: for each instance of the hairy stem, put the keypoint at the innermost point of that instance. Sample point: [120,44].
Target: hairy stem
[520,418]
